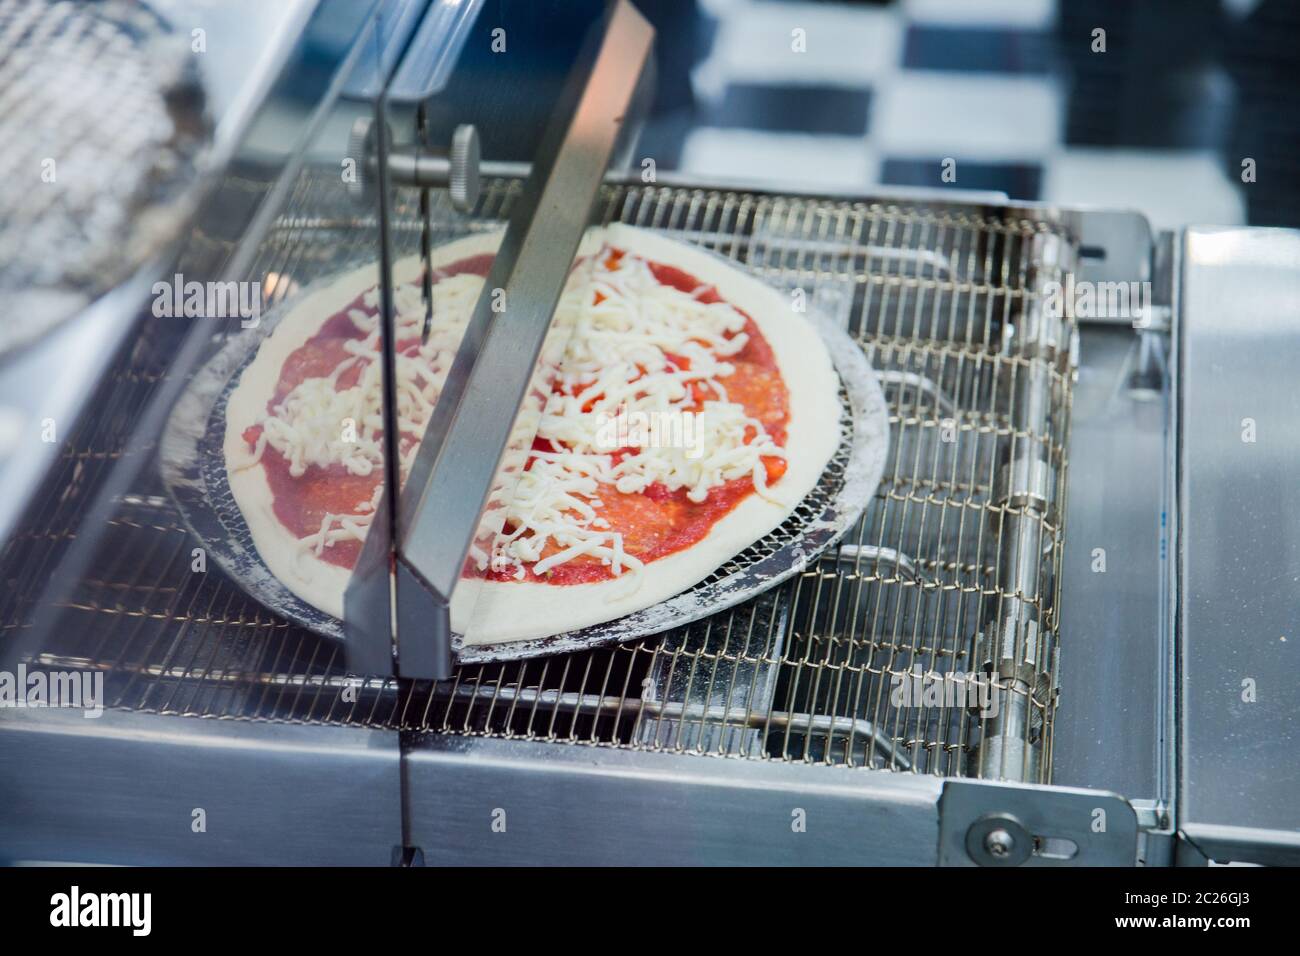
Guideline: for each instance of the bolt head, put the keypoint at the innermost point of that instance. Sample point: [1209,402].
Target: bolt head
[998,839]
[999,843]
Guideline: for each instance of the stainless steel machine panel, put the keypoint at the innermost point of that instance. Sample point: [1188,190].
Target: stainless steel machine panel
[151,791]
[1116,637]
[1240,614]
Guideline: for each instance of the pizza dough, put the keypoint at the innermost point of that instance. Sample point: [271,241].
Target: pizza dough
[493,611]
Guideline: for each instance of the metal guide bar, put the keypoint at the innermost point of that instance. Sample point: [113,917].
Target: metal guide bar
[806,673]
[458,467]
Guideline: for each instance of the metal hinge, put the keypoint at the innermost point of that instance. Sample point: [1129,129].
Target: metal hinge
[983,823]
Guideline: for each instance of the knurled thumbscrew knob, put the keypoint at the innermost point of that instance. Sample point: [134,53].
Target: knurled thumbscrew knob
[463,177]
[456,169]
[359,174]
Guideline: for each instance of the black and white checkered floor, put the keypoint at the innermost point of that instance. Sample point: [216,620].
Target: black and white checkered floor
[849,96]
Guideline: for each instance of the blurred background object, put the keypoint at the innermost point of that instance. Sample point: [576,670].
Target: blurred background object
[102,102]
[1171,109]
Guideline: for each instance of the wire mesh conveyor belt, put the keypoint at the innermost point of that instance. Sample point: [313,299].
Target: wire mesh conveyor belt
[948,585]
[111,91]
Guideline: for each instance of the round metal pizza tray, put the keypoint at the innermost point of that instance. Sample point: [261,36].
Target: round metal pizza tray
[193,469]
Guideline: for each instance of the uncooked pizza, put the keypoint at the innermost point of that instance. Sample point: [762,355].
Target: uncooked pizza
[687,411]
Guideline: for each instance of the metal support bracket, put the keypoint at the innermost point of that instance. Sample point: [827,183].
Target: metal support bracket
[994,824]
[1114,246]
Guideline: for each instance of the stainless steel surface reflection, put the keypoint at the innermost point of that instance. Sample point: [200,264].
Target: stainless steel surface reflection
[1240,458]
[1111,726]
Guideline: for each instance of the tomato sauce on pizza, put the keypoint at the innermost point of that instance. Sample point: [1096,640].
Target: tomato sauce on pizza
[653,522]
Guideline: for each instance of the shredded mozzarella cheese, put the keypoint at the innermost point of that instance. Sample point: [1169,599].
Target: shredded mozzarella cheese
[640,352]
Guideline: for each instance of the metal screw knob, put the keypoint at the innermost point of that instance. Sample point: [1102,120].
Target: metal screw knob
[998,839]
[463,178]
[361,150]
[999,843]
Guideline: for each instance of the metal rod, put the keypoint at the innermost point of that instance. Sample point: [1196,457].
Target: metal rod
[868,552]
[1018,643]
[923,385]
[677,710]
